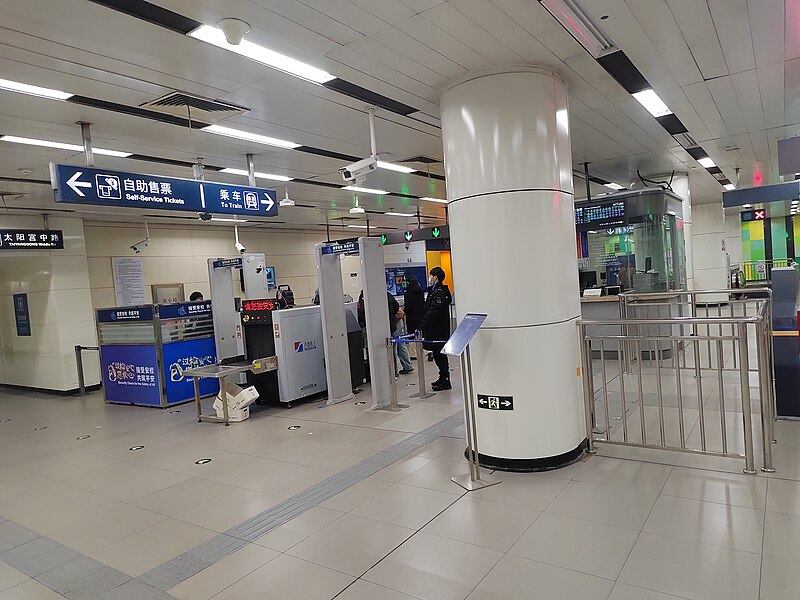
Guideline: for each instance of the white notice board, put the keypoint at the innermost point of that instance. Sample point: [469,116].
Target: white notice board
[128,280]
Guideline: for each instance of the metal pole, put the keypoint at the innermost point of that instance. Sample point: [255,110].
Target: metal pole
[251,170]
[747,417]
[588,392]
[473,419]
[372,145]
[86,137]
[423,392]
[467,420]
[79,362]
[763,382]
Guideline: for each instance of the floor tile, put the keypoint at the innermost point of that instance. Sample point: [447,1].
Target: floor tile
[357,494]
[9,577]
[516,578]
[223,574]
[434,568]
[365,590]
[288,577]
[586,546]
[295,531]
[351,544]
[608,504]
[528,490]
[30,590]
[436,476]
[402,468]
[623,591]
[624,473]
[141,485]
[782,536]
[708,522]
[784,496]
[780,579]
[150,547]
[405,505]
[182,496]
[229,509]
[724,488]
[134,590]
[691,569]
[482,523]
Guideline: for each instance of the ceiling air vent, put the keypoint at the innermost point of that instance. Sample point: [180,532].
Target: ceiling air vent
[198,108]
[685,140]
[425,160]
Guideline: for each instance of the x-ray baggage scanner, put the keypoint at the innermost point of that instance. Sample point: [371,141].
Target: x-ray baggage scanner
[334,322]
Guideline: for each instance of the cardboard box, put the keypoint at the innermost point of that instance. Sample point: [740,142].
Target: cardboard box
[239,401]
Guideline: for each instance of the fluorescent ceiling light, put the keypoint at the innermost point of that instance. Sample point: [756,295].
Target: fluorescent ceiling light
[354,188]
[654,105]
[61,146]
[747,206]
[258,175]
[729,186]
[357,226]
[34,90]
[399,214]
[276,60]
[250,137]
[357,210]
[579,25]
[227,220]
[393,167]
[614,186]
[706,162]
[439,200]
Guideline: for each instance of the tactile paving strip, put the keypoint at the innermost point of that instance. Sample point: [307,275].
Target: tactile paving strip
[185,565]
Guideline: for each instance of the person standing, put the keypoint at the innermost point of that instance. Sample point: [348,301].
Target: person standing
[436,325]
[414,305]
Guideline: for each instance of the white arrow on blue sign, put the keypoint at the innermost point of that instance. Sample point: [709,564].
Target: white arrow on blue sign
[85,185]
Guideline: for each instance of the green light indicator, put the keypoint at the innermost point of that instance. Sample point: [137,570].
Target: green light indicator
[384,239]
[404,189]
[408,236]
[436,232]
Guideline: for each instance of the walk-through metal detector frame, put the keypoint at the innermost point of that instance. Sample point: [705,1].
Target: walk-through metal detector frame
[334,326]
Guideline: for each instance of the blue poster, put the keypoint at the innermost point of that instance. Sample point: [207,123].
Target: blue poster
[179,356]
[22,315]
[86,185]
[130,374]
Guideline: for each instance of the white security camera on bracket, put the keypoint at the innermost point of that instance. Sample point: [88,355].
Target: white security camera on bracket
[357,172]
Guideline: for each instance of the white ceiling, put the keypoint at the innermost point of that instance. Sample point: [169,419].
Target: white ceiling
[729,69]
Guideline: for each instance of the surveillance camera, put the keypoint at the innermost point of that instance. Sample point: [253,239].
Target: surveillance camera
[204,216]
[234,30]
[358,171]
[139,246]
[240,247]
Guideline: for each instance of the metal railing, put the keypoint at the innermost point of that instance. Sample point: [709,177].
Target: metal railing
[668,346]
[758,272]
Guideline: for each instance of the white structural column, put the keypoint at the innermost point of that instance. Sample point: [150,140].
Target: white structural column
[680,185]
[512,227]
[710,256]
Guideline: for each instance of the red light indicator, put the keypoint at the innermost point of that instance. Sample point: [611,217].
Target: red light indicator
[760,215]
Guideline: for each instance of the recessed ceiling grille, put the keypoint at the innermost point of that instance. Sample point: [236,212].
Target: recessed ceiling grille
[199,108]
[685,140]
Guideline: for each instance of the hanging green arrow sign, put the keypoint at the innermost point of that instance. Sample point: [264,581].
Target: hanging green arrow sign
[436,232]
[384,239]
[408,236]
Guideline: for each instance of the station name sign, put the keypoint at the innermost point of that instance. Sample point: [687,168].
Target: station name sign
[31,239]
[85,185]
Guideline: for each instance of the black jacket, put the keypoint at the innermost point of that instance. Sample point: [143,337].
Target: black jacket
[414,306]
[436,322]
[394,306]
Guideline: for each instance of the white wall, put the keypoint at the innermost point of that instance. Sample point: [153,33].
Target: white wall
[59,301]
[733,237]
[708,233]
[180,256]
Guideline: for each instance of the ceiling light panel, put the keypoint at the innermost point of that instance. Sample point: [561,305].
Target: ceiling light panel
[354,188]
[580,25]
[654,105]
[614,186]
[729,186]
[61,146]
[707,162]
[33,90]
[439,200]
[276,60]
[393,167]
[250,137]
[399,214]
[257,174]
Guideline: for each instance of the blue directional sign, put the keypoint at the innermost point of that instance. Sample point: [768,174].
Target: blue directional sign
[84,185]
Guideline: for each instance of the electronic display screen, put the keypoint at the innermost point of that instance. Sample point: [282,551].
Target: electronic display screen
[258,305]
[269,272]
[599,213]
[754,215]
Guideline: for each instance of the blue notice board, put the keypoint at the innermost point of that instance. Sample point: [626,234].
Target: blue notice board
[187,354]
[130,374]
[22,315]
[84,185]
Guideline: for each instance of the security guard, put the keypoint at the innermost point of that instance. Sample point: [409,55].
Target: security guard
[436,325]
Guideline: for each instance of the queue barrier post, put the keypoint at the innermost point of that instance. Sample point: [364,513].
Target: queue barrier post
[423,392]
[393,404]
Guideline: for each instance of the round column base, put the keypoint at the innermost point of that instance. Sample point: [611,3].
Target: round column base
[531,465]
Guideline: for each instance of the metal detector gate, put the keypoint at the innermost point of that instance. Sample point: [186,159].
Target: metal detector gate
[334,326]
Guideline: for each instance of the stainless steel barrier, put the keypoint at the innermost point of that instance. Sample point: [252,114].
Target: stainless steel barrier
[79,364]
[681,353]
